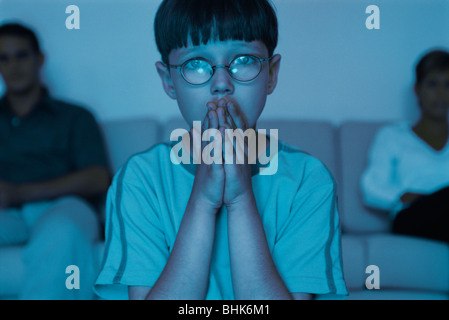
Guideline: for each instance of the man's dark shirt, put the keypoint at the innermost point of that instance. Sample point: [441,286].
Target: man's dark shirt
[55,139]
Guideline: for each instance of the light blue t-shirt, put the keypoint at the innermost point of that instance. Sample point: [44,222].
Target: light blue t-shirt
[297,205]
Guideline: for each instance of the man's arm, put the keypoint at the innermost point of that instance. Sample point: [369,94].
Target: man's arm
[84,183]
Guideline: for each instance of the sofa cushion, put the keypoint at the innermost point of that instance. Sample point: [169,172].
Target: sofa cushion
[354,260]
[11,270]
[354,142]
[396,295]
[409,262]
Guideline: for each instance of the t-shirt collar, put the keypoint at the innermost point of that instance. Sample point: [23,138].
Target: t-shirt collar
[44,103]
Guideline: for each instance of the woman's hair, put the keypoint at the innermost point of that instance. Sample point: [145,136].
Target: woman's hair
[178,21]
[435,60]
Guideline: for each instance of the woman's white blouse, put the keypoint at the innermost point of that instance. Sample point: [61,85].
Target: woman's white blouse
[399,161]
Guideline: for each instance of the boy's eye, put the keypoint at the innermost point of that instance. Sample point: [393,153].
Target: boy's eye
[197,64]
[243,60]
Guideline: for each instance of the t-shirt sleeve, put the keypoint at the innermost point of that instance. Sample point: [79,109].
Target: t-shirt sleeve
[308,249]
[87,147]
[135,247]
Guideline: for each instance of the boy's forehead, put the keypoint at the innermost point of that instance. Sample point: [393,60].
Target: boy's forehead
[220,49]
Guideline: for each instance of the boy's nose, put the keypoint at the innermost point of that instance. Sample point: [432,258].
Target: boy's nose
[222,82]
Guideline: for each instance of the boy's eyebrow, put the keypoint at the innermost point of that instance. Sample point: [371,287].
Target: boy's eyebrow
[186,51]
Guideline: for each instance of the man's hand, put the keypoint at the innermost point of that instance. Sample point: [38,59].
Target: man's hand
[87,182]
[9,194]
[409,197]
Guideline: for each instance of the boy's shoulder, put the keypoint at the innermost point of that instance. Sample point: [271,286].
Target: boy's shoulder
[147,161]
[298,162]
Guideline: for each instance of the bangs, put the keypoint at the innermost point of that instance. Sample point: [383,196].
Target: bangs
[201,21]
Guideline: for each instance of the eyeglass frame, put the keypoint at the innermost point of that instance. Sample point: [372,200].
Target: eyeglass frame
[227,67]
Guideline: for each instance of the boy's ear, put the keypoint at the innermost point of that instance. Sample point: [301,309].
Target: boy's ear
[275,64]
[167,83]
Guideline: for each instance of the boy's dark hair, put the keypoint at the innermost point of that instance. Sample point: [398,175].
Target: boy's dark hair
[19,30]
[435,60]
[178,21]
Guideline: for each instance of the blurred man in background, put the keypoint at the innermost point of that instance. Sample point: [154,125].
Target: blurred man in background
[53,166]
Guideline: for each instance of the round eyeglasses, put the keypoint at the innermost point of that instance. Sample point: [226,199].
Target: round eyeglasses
[198,71]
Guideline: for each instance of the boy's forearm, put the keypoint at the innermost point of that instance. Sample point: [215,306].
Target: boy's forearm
[186,273]
[254,275]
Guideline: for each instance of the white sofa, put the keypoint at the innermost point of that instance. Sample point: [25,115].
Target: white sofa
[409,268]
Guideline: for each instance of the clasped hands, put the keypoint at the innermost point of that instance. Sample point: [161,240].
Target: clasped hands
[223,183]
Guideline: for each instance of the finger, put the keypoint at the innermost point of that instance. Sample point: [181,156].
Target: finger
[237,116]
[222,102]
[196,148]
[229,119]
[239,124]
[211,105]
[206,123]
[236,140]
[213,119]
[225,150]
[205,127]
[221,117]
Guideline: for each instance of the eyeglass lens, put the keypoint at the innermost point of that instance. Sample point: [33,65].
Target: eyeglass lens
[242,68]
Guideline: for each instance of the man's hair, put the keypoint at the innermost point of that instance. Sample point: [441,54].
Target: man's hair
[19,30]
[435,60]
[178,21]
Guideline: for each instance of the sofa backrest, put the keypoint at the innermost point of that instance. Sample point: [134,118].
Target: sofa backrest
[355,138]
[343,150]
[317,138]
[123,138]
[171,124]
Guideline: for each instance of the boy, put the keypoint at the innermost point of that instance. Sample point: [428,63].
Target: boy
[220,230]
